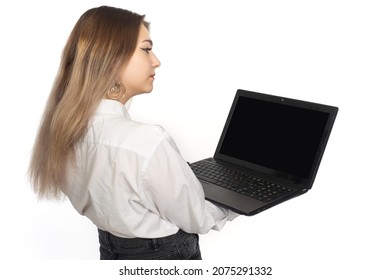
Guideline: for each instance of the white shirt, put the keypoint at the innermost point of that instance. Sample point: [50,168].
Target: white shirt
[130,179]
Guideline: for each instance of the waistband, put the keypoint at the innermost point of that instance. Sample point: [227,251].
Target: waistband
[139,242]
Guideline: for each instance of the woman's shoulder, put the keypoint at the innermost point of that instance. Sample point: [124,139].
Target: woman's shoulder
[127,134]
[144,131]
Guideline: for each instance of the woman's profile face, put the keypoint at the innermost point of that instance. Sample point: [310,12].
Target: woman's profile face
[138,75]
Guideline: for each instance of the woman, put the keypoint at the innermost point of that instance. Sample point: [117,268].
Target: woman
[127,177]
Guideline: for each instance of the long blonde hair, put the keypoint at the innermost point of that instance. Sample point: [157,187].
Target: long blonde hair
[100,44]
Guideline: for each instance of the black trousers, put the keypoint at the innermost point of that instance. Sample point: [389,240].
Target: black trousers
[179,246]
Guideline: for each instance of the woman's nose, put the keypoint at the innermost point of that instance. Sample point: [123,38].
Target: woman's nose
[155,61]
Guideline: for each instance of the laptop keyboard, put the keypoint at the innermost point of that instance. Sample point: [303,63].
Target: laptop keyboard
[239,182]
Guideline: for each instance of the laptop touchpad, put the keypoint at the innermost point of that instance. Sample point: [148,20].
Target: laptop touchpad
[235,200]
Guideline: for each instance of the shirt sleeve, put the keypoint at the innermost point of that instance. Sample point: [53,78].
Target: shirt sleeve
[174,193]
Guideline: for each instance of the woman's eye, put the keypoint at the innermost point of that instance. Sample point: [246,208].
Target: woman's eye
[147,50]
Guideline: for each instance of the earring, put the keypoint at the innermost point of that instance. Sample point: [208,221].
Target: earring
[117,91]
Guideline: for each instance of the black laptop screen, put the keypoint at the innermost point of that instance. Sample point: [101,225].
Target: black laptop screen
[274,135]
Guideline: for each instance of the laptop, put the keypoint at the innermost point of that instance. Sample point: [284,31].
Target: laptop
[269,151]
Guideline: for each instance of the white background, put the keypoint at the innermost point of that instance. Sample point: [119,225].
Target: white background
[332,52]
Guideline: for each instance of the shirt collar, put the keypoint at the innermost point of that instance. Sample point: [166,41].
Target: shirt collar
[112,107]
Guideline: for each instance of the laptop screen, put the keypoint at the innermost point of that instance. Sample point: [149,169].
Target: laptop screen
[279,136]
